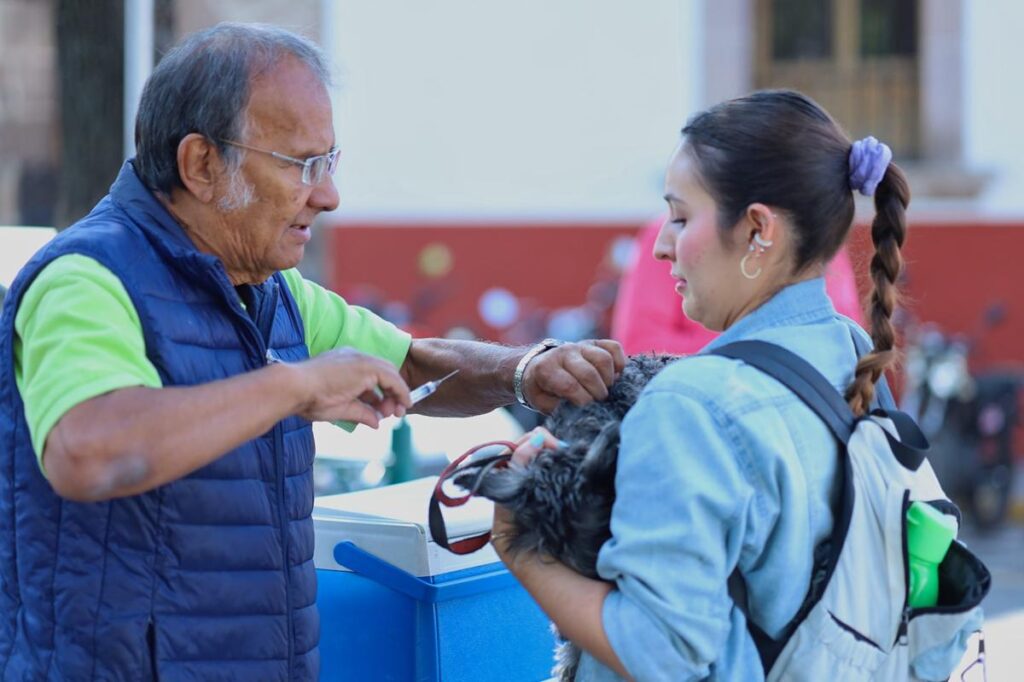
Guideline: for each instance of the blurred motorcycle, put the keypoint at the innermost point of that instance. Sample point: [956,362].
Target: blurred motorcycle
[968,418]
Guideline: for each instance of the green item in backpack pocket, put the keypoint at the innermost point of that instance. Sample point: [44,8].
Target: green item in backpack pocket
[929,534]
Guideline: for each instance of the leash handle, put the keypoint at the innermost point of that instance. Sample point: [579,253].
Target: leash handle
[438,531]
[453,468]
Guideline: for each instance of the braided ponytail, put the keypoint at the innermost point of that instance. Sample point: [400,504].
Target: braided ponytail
[888,232]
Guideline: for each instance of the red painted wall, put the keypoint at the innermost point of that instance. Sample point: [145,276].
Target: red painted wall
[954,271]
[546,265]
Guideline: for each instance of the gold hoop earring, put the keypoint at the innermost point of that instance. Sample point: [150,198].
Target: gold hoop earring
[760,249]
[743,266]
[762,246]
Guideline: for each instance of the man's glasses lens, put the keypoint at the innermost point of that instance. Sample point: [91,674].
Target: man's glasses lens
[314,171]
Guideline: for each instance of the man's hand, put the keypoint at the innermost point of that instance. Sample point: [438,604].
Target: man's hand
[577,372]
[135,439]
[344,384]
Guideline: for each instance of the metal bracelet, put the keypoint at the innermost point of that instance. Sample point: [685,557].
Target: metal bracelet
[517,378]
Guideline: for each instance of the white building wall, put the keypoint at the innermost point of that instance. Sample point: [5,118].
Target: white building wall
[994,101]
[531,110]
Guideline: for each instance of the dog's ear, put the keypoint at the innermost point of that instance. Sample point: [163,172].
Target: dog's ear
[603,453]
[498,485]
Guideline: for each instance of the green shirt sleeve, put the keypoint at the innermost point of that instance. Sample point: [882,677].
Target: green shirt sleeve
[77,336]
[330,322]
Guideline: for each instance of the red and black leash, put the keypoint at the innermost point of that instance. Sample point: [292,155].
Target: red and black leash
[438,531]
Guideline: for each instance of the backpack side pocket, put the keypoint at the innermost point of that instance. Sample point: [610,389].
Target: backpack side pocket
[937,636]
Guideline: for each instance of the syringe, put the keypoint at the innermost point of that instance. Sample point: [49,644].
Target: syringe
[428,389]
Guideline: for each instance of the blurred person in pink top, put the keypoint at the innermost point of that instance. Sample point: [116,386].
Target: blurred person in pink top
[648,316]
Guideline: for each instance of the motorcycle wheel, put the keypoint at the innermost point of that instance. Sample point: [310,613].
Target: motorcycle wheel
[989,498]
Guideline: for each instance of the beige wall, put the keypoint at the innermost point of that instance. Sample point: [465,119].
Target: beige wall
[728,34]
[942,57]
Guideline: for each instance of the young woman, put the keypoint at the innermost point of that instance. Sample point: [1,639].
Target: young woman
[721,467]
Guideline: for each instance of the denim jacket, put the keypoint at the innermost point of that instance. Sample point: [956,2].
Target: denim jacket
[720,466]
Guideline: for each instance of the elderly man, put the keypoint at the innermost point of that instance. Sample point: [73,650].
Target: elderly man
[162,361]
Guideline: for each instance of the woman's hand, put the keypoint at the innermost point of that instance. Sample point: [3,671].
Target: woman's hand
[572,601]
[528,447]
[530,444]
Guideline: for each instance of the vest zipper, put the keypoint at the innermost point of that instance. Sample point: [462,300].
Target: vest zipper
[261,322]
[264,320]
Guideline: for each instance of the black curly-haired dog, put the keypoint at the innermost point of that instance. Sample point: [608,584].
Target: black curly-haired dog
[562,501]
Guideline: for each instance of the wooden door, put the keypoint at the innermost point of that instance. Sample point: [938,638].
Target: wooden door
[858,58]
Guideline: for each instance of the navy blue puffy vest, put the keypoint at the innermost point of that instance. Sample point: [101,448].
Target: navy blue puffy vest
[208,577]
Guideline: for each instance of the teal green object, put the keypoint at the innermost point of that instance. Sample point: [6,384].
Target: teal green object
[402,467]
[929,534]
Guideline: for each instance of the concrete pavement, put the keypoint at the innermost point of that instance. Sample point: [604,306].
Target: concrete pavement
[1004,651]
[1003,553]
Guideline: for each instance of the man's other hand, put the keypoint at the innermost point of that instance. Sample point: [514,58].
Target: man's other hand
[346,385]
[577,372]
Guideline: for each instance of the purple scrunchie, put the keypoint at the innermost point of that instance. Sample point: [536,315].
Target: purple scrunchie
[868,160]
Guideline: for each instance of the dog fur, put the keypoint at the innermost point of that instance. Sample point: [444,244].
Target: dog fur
[562,501]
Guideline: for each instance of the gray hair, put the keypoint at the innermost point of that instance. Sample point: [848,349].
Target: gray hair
[202,86]
[240,193]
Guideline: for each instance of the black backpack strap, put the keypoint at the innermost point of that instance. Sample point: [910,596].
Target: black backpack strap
[815,391]
[768,649]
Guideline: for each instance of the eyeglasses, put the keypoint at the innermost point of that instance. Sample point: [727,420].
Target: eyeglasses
[313,169]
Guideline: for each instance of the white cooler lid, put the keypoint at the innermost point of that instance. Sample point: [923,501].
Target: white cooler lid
[391,523]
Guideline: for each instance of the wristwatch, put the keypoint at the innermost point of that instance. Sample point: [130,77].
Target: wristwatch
[517,378]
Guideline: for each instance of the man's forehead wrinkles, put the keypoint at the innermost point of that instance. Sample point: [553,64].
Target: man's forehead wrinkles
[296,135]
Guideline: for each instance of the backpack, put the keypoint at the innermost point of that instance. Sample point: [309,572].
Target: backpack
[855,622]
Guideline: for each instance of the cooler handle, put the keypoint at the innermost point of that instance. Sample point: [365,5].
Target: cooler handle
[358,560]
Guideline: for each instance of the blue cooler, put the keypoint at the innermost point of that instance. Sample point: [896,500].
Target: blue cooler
[395,606]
